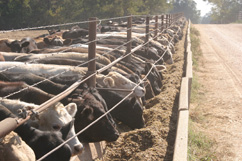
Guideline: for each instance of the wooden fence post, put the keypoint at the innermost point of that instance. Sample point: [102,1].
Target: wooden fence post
[156,27]
[147,31]
[92,51]
[129,37]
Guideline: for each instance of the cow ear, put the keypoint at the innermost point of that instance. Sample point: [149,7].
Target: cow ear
[108,82]
[87,111]
[25,44]
[72,109]
[160,67]
[46,40]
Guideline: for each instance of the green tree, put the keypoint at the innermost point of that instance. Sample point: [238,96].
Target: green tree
[31,13]
[14,13]
[188,7]
[225,11]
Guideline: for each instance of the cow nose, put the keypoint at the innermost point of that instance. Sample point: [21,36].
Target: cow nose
[78,149]
[169,61]
[116,136]
[139,92]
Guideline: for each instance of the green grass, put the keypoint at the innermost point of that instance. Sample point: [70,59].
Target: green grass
[200,148]
[199,145]
[196,54]
[196,50]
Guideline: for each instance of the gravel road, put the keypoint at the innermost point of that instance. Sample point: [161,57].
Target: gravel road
[221,78]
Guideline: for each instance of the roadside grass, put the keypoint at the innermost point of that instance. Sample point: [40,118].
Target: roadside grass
[200,147]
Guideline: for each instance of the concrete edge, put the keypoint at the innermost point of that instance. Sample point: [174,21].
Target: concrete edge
[181,144]
[183,96]
[181,141]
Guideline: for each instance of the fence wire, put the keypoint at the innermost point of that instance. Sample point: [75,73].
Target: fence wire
[98,71]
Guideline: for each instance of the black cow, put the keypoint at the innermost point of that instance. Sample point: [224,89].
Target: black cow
[41,141]
[73,34]
[46,85]
[151,54]
[129,112]
[57,41]
[26,45]
[90,106]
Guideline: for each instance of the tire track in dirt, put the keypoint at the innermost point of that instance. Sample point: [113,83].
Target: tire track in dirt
[221,77]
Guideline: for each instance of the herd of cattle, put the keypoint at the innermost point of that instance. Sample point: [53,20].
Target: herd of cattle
[34,70]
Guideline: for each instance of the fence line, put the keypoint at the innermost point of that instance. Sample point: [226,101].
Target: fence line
[76,84]
[104,67]
[64,24]
[31,61]
[111,109]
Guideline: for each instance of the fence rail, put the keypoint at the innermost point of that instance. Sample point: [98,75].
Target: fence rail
[166,20]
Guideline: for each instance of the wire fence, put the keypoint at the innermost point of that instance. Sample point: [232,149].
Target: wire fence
[169,20]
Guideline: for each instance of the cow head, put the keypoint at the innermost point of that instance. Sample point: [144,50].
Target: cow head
[16,46]
[168,57]
[56,41]
[116,80]
[154,77]
[56,118]
[91,107]
[24,46]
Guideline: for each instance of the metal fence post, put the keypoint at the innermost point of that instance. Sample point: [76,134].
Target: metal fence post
[156,27]
[162,23]
[92,50]
[129,37]
[167,22]
[147,31]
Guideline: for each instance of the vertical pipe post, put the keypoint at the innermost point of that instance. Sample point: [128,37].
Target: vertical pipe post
[162,23]
[92,50]
[171,18]
[129,37]
[156,27]
[147,31]
[167,18]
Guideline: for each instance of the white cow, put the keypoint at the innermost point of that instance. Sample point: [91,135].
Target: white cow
[65,55]
[52,119]
[44,70]
[116,80]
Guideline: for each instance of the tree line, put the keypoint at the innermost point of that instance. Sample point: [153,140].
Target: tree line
[31,13]
[224,11]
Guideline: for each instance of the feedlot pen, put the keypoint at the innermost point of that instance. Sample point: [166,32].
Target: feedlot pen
[156,140]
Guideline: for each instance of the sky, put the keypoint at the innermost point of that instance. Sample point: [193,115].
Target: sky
[204,7]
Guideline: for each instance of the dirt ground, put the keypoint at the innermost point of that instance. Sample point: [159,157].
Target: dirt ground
[220,75]
[156,140]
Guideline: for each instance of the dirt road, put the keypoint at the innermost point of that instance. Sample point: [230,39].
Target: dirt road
[221,78]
